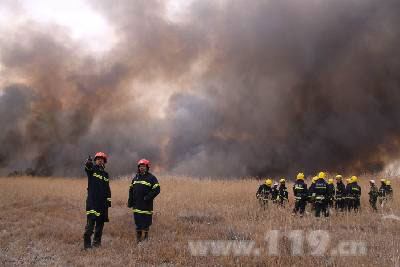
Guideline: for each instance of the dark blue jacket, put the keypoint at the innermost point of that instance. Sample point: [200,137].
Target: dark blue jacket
[143,189]
[98,193]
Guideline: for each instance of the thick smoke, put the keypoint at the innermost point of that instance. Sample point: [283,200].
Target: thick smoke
[252,88]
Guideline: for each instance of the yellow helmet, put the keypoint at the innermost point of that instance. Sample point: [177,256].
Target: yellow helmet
[339,177]
[348,180]
[354,179]
[321,175]
[387,181]
[314,179]
[268,182]
[300,176]
[282,180]
[330,181]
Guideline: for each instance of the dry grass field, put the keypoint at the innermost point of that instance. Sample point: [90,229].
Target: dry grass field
[42,222]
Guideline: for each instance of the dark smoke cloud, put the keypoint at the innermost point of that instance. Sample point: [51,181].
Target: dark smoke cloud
[253,88]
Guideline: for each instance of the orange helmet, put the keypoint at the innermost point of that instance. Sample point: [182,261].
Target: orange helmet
[144,162]
[101,155]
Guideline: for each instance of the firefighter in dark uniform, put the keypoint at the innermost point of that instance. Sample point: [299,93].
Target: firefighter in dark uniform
[283,192]
[264,192]
[373,195]
[389,190]
[330,193]
[320,192]
[311,198]
[143,189]
[354,194]
[382,193]
[347,197]
[275,193]
[300,194]
[98,199]
[340,193]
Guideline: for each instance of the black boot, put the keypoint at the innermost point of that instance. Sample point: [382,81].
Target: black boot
[87,242]
[146,235]
[97,242]
[98,233]
[138,236]
[97,239]
[87,236]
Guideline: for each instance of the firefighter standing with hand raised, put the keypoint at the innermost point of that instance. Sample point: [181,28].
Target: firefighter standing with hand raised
[98,199]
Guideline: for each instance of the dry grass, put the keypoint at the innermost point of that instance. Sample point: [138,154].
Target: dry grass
[42,222]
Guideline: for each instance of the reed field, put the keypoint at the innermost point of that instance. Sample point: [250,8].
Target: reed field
[42,222]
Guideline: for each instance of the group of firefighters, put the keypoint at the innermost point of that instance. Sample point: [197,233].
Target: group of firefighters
[324,195]
[144,187]
[142,191]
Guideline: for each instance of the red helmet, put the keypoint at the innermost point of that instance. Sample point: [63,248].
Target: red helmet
[145,162]
[101,155]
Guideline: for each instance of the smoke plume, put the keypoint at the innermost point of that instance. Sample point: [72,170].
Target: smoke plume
[234,88]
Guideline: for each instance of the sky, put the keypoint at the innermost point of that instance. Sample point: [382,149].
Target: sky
[83,22]
[79,18]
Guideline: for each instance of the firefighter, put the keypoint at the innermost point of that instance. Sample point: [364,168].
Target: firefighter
[339,193]
[320,192]
[311,198]
[354,194]
[275,193]
[389,190]
[264,192]
[98,200]
[382,193]
[347,196]
[283,192]
[143,189]
[373,195]
[300,194]
[330,193]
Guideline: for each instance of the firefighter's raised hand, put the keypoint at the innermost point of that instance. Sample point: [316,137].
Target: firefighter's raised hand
[89,163]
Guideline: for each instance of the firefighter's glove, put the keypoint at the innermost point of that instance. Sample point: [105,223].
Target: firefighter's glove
[89,164]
